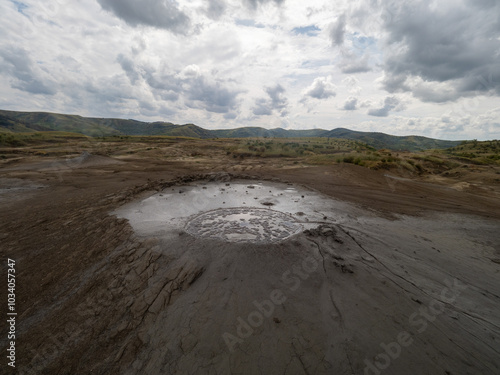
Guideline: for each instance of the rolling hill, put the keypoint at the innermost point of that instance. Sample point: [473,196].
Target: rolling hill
[16,122]
[392,142]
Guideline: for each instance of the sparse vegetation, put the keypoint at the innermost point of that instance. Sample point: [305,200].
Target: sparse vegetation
[24,139]
[475,152]
[14,122]
[315,150]
[246,151]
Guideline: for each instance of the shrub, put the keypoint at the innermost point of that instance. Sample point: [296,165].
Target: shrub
[348,159]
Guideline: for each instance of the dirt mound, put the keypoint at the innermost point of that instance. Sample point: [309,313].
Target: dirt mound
[17,189]
[84,160]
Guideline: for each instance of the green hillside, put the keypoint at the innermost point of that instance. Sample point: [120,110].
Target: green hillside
[17,122]
[391,142]
[256,132]
[248,132]
[60,122]
[475,152]
[11,125]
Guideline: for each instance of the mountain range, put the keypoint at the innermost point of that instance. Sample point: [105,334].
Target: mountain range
[16,122]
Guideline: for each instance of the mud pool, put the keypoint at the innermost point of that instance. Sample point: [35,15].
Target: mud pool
[240,211]
[256,225]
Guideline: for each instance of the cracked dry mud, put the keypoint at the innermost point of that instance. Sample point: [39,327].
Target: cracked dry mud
[99,296]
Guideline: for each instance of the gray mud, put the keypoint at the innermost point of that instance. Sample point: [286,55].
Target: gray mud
[353,293]
[172,209]
[255,225]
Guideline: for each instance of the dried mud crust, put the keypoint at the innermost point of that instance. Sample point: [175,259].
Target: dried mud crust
[244,224]
[162,307]
[95,298]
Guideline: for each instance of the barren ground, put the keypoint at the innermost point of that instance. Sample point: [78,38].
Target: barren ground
[407,282]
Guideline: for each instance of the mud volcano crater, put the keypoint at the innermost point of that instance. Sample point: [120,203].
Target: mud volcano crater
[244,224]
[235,211]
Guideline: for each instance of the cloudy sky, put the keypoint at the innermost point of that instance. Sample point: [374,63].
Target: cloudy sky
[396,66]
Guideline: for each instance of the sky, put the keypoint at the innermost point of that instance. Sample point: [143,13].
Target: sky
[402,67]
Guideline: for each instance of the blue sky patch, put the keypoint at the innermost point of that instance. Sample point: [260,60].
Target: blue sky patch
[20,6]
[249,23]
[311,30]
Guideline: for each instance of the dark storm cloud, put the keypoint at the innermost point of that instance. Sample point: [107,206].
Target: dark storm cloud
[351,104]
[438,45]
[156,13]
[390,103]
[276,101]
[25,74]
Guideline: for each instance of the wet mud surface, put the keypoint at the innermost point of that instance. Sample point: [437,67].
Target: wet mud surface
[115,276]
[254,225]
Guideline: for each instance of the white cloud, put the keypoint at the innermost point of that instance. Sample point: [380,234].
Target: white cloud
[352,64]
[321,88]
[24,74]
[155,13]
[351,104]
[275,102]
[449,49]
[337,30]
[390,103]
[226,63]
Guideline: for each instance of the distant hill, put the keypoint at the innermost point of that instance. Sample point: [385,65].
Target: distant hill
[8,124]
[269,133]
[391,142]
[59,122]
[11,121]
